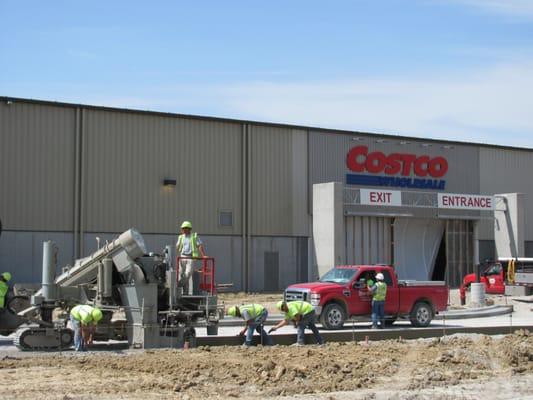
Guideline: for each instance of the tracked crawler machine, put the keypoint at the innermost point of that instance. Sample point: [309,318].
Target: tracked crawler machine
[138,293]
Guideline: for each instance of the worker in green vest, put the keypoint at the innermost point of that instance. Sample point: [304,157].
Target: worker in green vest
[84,319]
[379,293]
[255,316]
[4,288]
[188,247]
[302,314]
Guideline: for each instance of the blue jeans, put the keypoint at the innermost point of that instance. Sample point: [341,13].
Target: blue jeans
[308,321]
[378,313]
[258,325]
[78,338]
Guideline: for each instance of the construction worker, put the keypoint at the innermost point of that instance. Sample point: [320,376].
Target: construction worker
[4,288]
[255,316]
[189,246]
[84,319]
[302,314]
[379,292]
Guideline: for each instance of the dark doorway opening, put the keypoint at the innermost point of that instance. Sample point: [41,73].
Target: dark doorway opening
[439,271]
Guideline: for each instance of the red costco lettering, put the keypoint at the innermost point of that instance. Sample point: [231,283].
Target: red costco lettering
[359,159]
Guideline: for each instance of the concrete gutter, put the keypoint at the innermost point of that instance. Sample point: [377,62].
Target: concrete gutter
[489,311]
[481,312]
[348,335]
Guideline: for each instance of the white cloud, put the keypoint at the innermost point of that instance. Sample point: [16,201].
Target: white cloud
[493,106]
[522,9]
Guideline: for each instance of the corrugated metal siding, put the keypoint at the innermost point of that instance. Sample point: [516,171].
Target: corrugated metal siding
[368,240]
[36,167]
[278,205]
[507,171]
[127,156]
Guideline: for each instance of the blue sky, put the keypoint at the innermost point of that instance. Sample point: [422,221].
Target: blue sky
[447,69]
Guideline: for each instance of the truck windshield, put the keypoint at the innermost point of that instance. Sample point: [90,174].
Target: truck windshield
[339,275]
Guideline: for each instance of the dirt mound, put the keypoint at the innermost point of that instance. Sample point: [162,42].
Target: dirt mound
[222,372]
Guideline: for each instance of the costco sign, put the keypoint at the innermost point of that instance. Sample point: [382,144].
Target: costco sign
[397,169]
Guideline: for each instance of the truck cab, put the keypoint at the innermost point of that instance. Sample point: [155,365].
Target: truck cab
[343,292]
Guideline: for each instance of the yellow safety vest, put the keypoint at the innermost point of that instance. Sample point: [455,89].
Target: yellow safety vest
[254,310]
[194,245]
[298,307]
[381,291]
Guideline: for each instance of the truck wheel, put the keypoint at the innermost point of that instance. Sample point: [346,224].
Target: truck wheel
[421,315]
[332,316]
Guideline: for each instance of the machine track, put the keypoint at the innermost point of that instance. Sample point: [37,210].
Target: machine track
[39,339]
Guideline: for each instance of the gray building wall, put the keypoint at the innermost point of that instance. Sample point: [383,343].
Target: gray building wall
[126,156]
[507,171]
[70,173]
[37,146]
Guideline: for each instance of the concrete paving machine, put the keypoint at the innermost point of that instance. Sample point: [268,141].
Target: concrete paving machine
[139,295]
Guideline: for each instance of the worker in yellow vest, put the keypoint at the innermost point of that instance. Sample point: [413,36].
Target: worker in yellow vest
[4,288]
[190,247]
[84,319]
[255,316]
[302,314]
[379,293]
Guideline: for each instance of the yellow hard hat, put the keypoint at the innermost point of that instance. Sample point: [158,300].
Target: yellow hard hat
[186,224]
[279,304]
[96,314]
[232,311]
[6,276]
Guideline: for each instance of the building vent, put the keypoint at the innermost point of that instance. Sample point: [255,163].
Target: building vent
[225,218]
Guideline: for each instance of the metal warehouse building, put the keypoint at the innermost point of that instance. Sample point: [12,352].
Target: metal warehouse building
[71,173]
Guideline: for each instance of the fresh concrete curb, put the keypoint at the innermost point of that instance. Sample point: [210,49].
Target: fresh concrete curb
[488,311]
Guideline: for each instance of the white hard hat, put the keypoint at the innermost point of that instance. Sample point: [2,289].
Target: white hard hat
[379,276]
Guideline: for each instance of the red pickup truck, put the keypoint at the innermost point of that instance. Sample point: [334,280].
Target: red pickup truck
[343,293]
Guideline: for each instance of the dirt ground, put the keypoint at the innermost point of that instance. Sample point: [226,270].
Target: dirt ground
[454,367]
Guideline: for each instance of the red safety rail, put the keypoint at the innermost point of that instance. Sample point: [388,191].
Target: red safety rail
[207,272]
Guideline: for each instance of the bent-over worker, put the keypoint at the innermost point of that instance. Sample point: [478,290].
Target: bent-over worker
[302,314]
[84,319]
[4,288]
[255,316]
[189,246]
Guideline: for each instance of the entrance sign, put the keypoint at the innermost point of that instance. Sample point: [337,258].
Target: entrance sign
[381,197]
[465,201]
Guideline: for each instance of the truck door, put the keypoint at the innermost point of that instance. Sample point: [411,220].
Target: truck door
[392,301]
[362,300]
[495,279]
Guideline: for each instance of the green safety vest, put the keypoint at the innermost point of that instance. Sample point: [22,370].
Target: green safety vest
[194,245]
[83,313]
[3,291]
[381,291]
[298,307]
[254,310]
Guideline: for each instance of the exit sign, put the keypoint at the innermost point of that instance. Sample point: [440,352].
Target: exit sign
[371,197]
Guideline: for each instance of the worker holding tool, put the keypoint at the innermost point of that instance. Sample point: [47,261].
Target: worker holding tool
[302,314]
[255,316]
[190,247]
[4,288]
[379,292]
[84,319]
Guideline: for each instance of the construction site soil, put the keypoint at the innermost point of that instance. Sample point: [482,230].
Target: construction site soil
[453,367]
